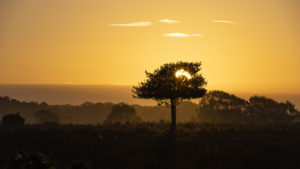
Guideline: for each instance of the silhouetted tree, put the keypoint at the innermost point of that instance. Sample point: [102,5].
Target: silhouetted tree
[167,87]
[219,106]
[13,120]
[86,104]
[291,108]
[122,113]
[44,116]
[266,110]
[44,105]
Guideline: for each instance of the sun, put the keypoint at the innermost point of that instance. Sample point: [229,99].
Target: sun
[184,73]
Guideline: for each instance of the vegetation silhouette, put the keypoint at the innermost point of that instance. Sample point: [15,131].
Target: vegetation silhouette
[266,110]
[145,145]
[13,120]
[30,160]
[214,107]
[163,86]
[46,116]
[227,132]
[222,107]
[122,113]
[219,106]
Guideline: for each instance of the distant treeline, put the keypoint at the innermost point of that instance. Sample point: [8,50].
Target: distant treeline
[219,106]
[91,113]
[214,107]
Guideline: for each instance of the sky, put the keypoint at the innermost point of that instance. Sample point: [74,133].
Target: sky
[244,45]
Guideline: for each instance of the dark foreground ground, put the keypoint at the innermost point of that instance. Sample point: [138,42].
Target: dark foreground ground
[149,146]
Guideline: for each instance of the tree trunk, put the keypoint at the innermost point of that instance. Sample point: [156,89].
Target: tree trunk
[173,115]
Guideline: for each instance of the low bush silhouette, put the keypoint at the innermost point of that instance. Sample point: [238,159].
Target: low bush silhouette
[122,113]
[30,160]
[13,120]
[46,116]
[150,145]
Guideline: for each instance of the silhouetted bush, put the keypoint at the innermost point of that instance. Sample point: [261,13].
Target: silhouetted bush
[30,160]
[13,120]
[122,113]
[149,146]
[46,116]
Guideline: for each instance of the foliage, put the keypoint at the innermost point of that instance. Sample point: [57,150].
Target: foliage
[163,85]
[13,120]
[10,105]
[30,160]
[95,113]
[266,110]
[46,116]
[219,106]
[149,145]
[86,113]
[122,113]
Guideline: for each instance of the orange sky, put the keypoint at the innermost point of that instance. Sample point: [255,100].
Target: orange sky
[244,46]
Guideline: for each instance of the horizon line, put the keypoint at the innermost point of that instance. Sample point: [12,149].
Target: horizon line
[71,84]
[130,85]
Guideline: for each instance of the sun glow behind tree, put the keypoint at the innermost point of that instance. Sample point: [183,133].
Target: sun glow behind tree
[184,73]
[170,84]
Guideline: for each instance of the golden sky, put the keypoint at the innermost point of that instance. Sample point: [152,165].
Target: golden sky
[244,45]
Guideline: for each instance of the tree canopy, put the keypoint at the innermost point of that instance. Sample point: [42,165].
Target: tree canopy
[46,116]
[172,82]
[219,106]
[163,84]
[122,113]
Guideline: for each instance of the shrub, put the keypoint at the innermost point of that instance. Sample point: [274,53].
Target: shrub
[13,120]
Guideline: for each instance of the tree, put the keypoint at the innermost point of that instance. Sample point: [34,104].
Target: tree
[171,83]
[46,116]
[266,110]
[44,105]
[122,113]
[219,106]
[13,120]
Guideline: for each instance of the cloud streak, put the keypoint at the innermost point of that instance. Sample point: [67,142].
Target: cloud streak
[168,21]
[182,35]
[134,24]
[224,21]
[196,34]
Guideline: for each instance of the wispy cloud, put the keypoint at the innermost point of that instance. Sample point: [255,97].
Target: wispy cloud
[176,34]
[134,24]
[223,21]
[196,34]
[181,35]
[168,21]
